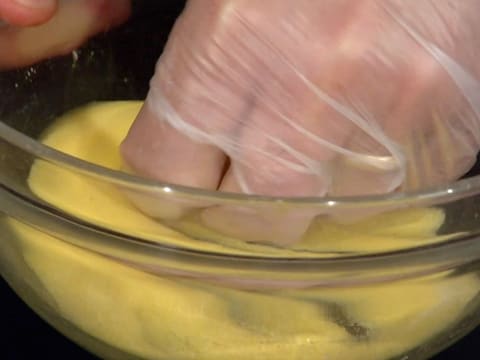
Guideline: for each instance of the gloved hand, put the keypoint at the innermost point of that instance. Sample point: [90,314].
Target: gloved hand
[326,97]
[32,30]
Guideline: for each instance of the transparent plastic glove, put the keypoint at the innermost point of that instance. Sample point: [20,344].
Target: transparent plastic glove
[314,97]
[34,30]
[308,98]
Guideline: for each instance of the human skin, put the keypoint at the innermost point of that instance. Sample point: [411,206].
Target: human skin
[323,98]
[308,100]
[40,29]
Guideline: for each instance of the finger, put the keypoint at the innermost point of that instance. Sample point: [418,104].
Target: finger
[443,108]
[155,149]
[265,167]
[27,12]
[74,22]
[445,146]
[270,224]
[197,98]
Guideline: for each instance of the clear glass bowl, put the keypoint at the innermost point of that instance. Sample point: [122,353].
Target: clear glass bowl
[390,277]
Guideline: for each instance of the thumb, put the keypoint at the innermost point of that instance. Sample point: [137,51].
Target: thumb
[27,12]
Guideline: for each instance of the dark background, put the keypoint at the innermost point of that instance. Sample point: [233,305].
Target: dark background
[23,333]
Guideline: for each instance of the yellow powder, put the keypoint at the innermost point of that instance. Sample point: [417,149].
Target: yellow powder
[160,317]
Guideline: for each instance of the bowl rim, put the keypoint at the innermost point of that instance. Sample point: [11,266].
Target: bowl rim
[435,194]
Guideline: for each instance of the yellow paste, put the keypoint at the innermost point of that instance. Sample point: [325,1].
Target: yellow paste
[160,317]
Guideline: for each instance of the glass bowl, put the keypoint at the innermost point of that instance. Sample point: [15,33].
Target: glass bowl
[385,277]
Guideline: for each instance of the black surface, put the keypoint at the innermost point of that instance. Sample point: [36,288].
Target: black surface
[23,333]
